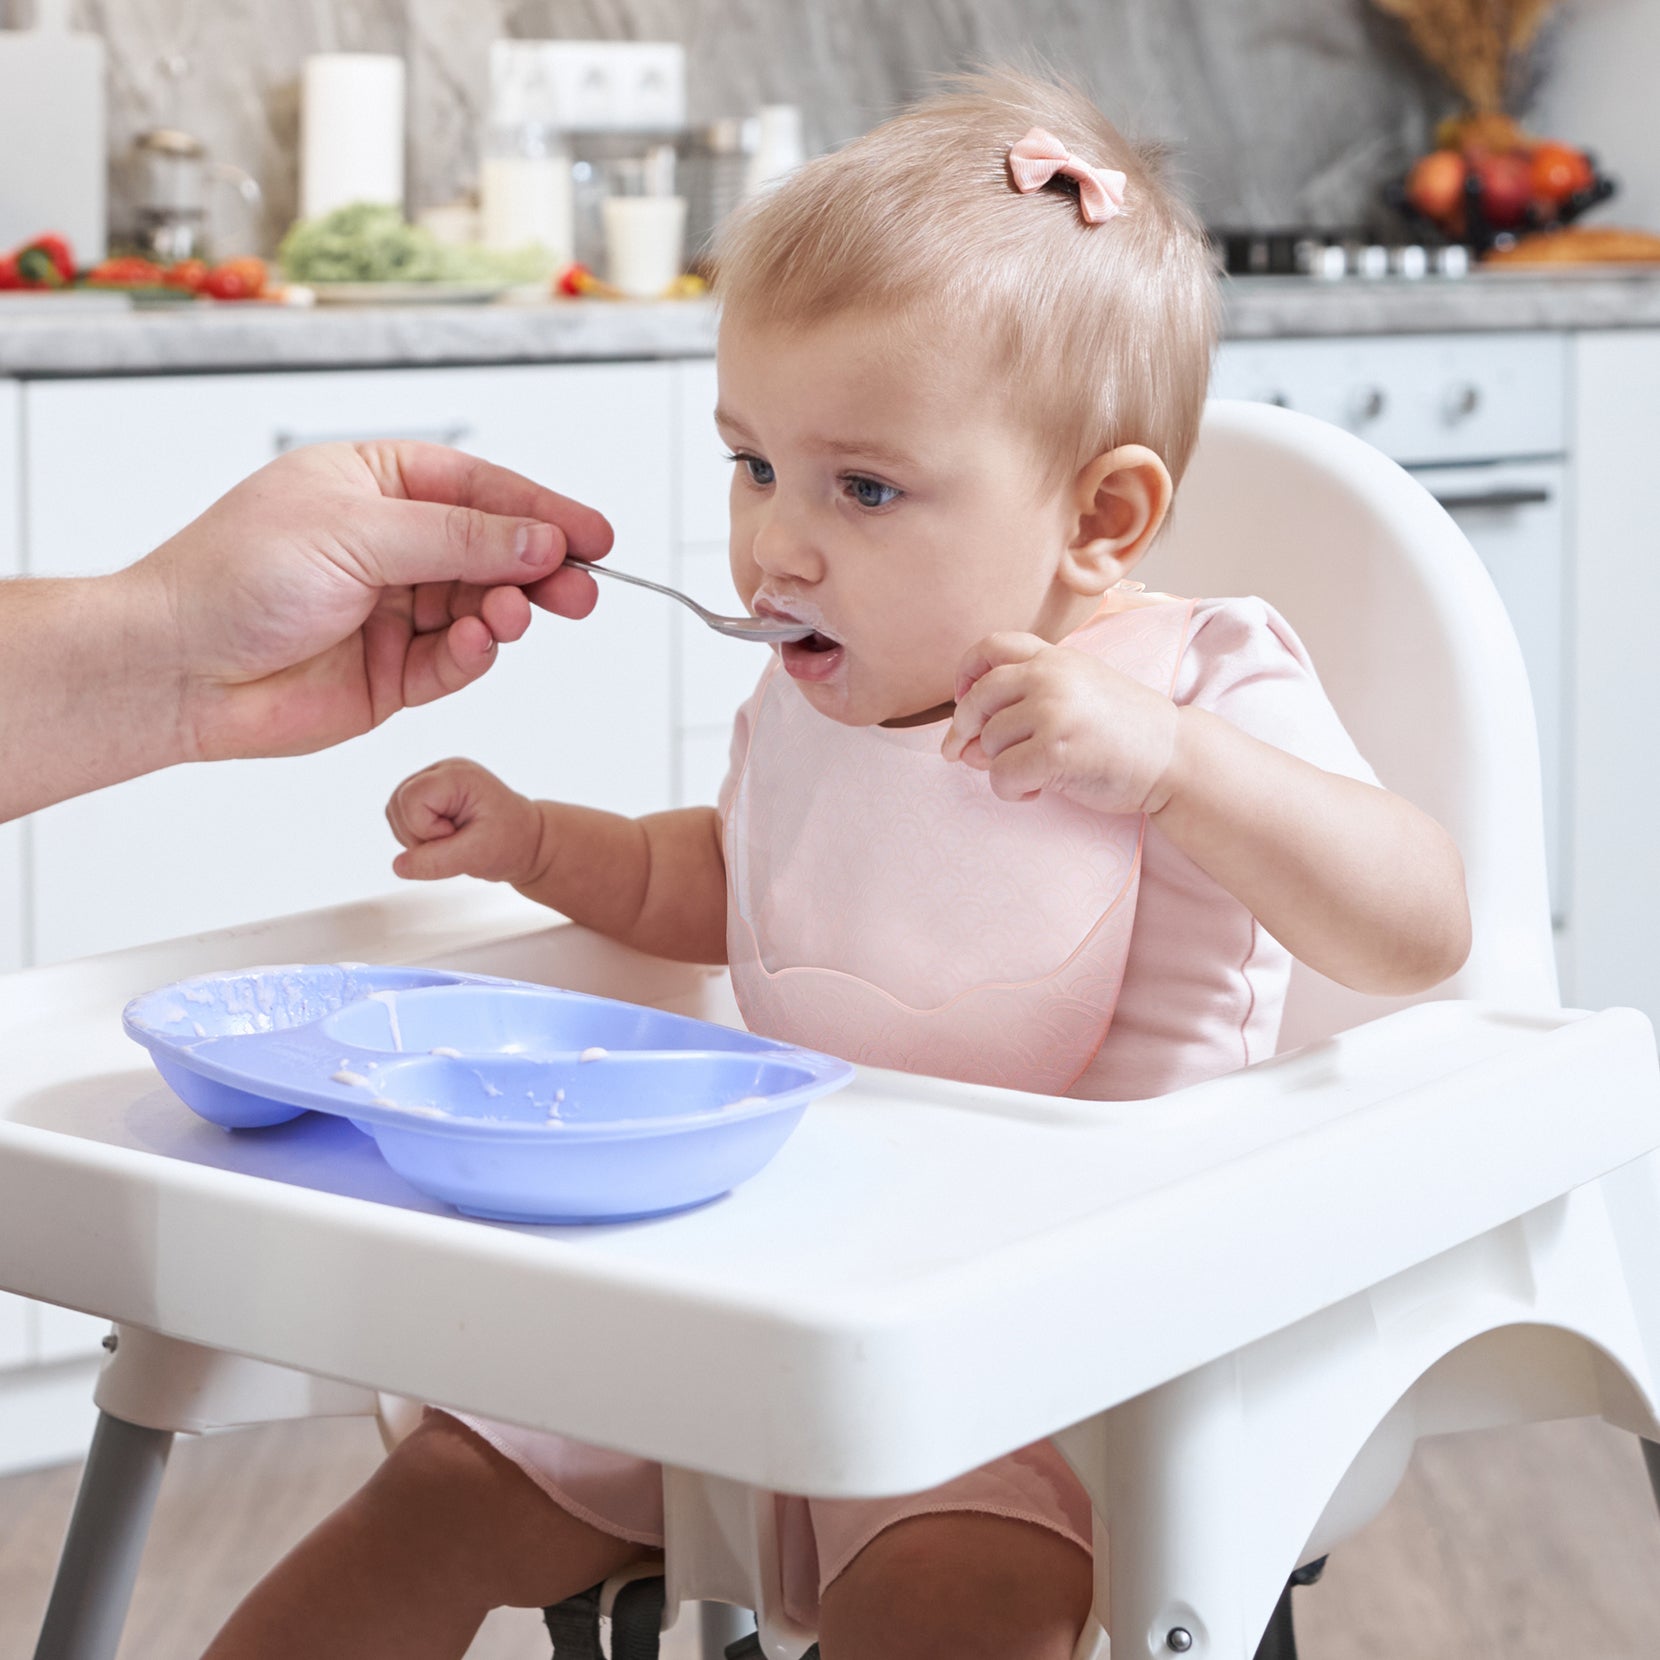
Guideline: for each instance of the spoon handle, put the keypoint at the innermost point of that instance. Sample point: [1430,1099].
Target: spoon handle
[598,569]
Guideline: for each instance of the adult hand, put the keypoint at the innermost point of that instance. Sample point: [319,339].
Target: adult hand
[332,588]
[344,582]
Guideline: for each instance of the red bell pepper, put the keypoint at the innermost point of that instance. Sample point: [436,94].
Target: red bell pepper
[45,262]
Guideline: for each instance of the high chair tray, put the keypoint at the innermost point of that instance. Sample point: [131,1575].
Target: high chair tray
[508,1100]
[927,1275]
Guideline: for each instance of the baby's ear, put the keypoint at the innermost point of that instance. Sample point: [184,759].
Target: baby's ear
[1121,499]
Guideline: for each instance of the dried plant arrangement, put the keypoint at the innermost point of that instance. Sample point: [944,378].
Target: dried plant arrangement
[1474,43]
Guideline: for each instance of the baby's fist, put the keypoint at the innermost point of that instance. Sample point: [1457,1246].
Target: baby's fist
[1041,718]
[456,819]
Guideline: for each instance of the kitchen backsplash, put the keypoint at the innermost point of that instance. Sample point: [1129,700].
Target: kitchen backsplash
[1281,111]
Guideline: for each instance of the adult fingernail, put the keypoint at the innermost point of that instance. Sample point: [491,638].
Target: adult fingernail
[536,544]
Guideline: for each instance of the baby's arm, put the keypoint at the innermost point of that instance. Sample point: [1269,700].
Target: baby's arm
[1351,879]
[1354,881]
[656,883]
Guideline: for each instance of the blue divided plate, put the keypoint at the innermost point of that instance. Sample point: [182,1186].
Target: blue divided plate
[505,1099]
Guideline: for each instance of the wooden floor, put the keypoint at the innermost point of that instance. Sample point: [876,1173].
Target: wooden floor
[1532,1544]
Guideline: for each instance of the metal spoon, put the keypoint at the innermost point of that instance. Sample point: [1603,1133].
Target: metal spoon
[735,628]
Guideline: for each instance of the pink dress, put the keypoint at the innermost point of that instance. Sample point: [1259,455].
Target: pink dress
[1129,975]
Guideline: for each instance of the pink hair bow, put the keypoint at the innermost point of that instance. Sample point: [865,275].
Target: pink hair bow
[1039,156]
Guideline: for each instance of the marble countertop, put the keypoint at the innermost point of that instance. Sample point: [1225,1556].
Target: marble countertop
[272,338]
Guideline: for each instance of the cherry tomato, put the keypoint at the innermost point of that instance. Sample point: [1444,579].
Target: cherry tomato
[126,271]
[253,269]
[575,280]
[188,273]
[1558,171]
[9,275]
[226,284]
[236,279]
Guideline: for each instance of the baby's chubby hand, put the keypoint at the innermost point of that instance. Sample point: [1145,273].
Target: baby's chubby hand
[456,819]
[1038,717]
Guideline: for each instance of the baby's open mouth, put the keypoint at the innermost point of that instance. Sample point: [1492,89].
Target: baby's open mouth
[815,658]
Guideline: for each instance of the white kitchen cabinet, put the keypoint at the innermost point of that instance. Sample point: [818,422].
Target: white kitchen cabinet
[716,673]
[713,675]
[13,912]
[1615,905]
[705,473]
[577,711]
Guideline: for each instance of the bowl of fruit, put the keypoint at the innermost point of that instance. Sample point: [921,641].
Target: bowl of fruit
[1489,182]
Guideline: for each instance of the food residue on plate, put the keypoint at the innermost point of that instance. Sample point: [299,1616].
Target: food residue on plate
[594,1054]
[448,1054]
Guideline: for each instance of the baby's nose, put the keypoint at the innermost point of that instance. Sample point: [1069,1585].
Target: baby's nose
[783,548]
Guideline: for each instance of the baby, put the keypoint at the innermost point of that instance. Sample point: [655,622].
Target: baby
[1002,816]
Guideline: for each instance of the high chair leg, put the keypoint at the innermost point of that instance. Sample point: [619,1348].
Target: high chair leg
[101,1552]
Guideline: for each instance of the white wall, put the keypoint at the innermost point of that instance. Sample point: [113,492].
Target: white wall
[1603,94]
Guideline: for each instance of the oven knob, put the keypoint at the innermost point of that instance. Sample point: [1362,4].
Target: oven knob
[1367,405]
[1459,403]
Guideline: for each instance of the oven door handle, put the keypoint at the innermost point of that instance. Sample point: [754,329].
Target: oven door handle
[1521,496]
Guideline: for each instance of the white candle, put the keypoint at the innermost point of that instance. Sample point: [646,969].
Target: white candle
[351,132]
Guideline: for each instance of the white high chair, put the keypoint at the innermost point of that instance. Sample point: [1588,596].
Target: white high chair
[1237,1308]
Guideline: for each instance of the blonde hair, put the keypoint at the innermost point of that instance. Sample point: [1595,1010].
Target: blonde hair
[1102,334]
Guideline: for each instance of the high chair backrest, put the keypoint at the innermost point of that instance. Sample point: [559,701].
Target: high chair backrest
[1415,650]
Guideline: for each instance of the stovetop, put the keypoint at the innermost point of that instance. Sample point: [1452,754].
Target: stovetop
[1326,255]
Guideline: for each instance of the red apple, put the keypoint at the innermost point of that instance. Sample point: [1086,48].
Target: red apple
[1506,187]
[1435,186]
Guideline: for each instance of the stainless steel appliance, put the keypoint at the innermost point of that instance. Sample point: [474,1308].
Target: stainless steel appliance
[174,180]
[1366,253]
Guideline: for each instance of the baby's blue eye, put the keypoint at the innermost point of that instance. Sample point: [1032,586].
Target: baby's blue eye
[867,492]
[760,472]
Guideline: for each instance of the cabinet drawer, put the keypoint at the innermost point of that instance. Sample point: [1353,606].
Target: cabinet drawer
[581,711]
[1429,398]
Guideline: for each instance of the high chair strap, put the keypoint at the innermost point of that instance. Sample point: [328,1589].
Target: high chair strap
[636,1611]
[574,1626]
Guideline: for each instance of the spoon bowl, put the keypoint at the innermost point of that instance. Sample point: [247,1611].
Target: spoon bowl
[734,628]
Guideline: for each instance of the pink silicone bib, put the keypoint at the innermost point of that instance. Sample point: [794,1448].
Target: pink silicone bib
[884,905]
